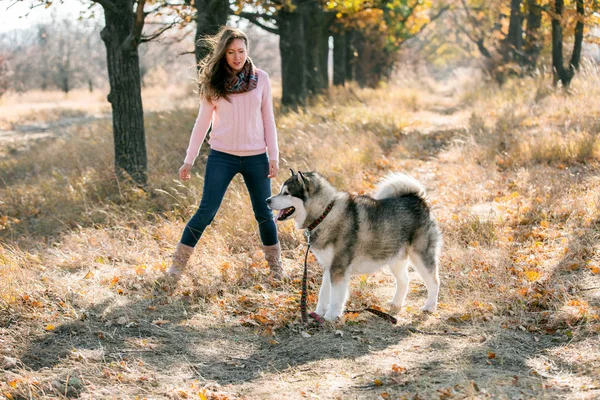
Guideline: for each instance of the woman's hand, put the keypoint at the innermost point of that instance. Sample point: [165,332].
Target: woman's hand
[184,172]
[273,168]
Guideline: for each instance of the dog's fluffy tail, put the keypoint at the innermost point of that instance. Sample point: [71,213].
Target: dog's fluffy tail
[396,184]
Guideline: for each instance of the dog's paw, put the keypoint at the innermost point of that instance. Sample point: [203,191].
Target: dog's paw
[321,310]
[330,316]
[429,308]
[395,309]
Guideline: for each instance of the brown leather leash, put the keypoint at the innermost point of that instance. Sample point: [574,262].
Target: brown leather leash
[318,320]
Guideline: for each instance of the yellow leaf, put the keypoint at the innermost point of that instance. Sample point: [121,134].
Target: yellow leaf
[532,275]
[544,224]
[574,266]
[13,383]
[140,269]
[465,317]
[202,396]
[8,396]
[378,382]
[89,275]
[50,327]
[491,355]
[398,369]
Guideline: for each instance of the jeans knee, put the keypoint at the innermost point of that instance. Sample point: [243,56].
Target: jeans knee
[200,220]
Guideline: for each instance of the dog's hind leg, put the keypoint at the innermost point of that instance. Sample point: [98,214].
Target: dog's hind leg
[339,293]
[324,294]
[426,265]
[400,271]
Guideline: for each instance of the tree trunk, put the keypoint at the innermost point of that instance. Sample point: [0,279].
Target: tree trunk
[293,60]
[561,73]
[211,15]
[350,54]
[125,92]
[314,19]
[576,56]
[532,33]
[514,40]
[339,59]
[324,49]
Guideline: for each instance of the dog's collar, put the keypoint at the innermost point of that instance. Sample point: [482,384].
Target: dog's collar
[321,218]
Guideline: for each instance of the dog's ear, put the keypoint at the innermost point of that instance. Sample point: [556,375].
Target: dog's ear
[293,173]
[301,178]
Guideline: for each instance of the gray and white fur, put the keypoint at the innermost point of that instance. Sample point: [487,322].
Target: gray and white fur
[362,234]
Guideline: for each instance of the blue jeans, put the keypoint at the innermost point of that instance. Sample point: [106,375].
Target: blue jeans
[220,170]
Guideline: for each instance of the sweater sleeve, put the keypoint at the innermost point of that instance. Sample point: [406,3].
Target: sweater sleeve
[205,115]
[269,121]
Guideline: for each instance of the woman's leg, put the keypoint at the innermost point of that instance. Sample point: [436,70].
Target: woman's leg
[220,170]
[255,170]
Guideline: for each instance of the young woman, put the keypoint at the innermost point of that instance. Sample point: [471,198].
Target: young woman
[236,98]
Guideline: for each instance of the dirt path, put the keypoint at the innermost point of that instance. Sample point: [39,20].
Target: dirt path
[23,133]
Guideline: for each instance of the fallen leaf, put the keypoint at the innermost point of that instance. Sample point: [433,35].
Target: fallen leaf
[398,369]
[49,327]
[378,382]
[532,275]
[491,355]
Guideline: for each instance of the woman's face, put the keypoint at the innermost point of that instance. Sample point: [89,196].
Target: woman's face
[236,55]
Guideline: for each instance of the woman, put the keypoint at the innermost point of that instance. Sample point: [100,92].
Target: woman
[236,98]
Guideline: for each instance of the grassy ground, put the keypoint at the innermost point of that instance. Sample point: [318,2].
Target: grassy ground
[512,174]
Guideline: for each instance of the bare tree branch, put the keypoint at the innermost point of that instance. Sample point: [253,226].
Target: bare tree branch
[254,19]
[479,41]
[15,2]
[145,39]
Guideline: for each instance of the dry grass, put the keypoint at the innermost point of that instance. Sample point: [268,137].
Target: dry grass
[512,175]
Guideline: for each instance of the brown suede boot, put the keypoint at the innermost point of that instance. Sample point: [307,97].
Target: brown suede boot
[273,257]
[181,257]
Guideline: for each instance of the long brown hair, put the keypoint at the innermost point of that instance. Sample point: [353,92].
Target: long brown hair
[213,71]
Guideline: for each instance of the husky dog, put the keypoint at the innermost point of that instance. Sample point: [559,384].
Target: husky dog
[353,235]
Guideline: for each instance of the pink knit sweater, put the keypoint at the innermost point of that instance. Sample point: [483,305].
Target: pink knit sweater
[243,127]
